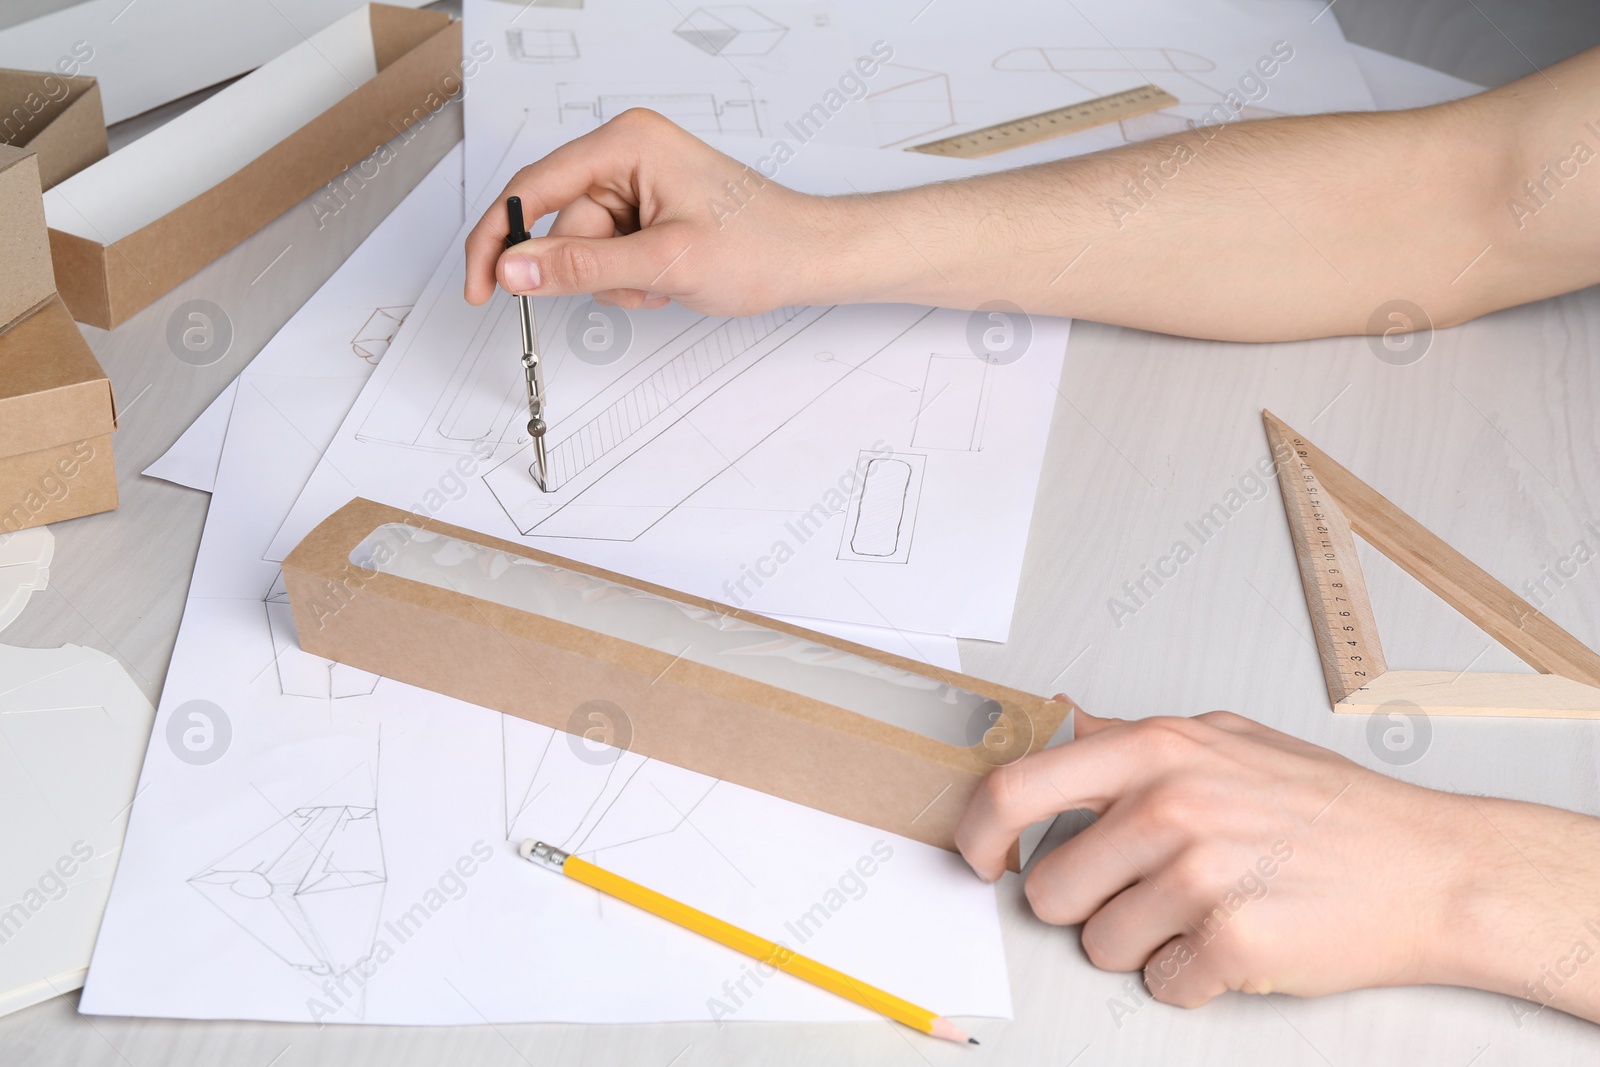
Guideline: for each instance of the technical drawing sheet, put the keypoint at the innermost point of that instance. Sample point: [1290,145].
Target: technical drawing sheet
[314,843]
[873,464]
[750,70]
[957,68]
[781,71]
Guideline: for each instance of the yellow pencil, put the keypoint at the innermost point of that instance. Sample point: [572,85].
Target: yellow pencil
[758,948]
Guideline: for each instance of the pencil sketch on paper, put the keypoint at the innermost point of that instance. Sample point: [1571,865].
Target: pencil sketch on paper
[1102,71]
[909,103]
[955,403]
[730,30]
[644,447]
[309,888]
[650,401]
[299,673]
[585,797]
[542,46]
[372,340]
[470,399]
[699,107]
[882,515]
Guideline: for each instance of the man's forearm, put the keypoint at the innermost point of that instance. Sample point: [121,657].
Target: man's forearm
[1524,907]
[1290,228]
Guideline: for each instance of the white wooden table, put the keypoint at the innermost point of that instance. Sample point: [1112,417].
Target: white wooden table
[1491,439]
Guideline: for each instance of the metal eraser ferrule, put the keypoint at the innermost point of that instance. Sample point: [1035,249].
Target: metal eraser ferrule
[542,854]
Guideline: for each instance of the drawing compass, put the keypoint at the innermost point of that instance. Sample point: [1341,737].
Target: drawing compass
[532,365]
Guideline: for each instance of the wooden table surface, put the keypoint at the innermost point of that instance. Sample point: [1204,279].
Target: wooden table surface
[1491,439]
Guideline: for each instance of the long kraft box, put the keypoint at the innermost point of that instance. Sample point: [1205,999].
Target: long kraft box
[418,59]
[56,419]
[680,712]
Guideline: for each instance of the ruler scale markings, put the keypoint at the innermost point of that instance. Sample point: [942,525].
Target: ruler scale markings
[1327,508]
[1057,122]
[1336,591]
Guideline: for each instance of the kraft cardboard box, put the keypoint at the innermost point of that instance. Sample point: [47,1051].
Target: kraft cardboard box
[25,276]
[56,418]
[862,734]
[57,116]
[129,228]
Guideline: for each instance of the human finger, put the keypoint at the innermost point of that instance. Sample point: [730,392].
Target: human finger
[1088,773]
[1076,878]
[604,158]
[1132,926]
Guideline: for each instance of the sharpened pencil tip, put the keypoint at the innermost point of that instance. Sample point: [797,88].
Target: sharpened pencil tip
[949,1031]
[972,1041]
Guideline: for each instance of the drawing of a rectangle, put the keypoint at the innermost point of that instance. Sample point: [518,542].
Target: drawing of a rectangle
[882,515]
[883,508]
[952,404]
[444,403]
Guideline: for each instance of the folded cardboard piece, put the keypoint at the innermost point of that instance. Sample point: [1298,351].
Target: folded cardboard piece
[862,734]
[129,228]
[56,418]
[55,115]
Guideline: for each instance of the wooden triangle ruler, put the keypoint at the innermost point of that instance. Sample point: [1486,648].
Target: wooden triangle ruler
[1328,507]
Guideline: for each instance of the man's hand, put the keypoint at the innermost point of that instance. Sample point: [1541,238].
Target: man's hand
[1245,231]
[1227,855]
[645,213]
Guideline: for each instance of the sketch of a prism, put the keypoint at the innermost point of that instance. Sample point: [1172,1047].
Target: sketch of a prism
[699,107]
[377,333]
[542,46]
[309,888]
[300,674]
[908,103]
[731,30]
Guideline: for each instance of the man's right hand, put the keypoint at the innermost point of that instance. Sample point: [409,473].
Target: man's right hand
[647,213]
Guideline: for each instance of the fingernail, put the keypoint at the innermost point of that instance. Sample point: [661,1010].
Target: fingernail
[521,273]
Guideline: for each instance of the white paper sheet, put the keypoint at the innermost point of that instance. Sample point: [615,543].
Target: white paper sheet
[953,65]
[1399,83]
[963,68]
[411,906]
[72,727]
[209,143]
[144,54]
[1394,83]
[715,69]
[820,462]
[192,459]
[313,396]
